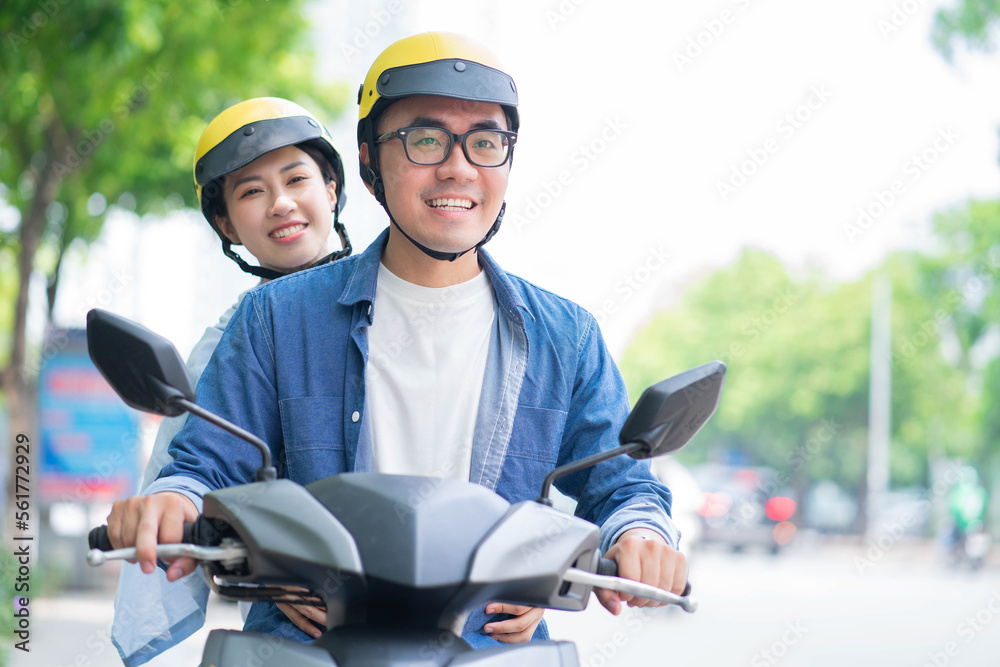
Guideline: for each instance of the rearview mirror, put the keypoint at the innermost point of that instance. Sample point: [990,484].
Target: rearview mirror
[146,371]
[142,367]
[669,413]
[664,419]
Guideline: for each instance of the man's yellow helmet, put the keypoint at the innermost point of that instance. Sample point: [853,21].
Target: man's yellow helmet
[436,63]
[432,63]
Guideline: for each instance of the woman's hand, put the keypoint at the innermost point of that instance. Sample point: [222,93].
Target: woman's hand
[310,619]
[515,630]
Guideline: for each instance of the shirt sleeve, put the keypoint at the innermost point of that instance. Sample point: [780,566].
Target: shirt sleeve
[619,494]
[171,426]
[238,385]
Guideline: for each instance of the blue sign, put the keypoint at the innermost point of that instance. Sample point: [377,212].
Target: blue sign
[89,436]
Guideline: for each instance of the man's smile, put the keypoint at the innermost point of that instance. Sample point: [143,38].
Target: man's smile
[450,204]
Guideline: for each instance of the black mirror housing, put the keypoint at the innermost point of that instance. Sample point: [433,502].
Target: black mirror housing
[669,413]
[143,368]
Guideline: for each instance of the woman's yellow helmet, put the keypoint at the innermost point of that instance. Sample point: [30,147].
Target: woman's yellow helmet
[244,132]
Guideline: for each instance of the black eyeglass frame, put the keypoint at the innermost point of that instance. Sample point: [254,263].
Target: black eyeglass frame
[458,139]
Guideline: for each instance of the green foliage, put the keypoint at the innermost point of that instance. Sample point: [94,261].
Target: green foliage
[962,279]
[8,624]
[117,93]
[8,290]
[103,102]
[972,21]
[796,395]
[962,276]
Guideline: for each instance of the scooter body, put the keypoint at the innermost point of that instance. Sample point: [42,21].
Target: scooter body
[398,561]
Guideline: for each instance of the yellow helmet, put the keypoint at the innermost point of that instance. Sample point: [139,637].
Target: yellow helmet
[432,63]
[244,132]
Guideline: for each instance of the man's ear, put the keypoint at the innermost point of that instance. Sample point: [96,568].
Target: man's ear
[227,228]
[365,160]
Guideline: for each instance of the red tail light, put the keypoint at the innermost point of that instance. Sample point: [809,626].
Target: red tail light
[715,504]
[779,508]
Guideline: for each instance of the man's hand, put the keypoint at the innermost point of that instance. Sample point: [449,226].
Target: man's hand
[145,521]
[514,630]
[310,619]
[643,555]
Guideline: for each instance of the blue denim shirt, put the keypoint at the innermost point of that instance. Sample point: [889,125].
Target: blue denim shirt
[290,368]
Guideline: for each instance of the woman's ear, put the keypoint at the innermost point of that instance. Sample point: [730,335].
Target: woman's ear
[331,189]
[223,224]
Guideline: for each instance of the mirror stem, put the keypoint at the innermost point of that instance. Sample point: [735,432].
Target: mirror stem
[582,464]
[266,471]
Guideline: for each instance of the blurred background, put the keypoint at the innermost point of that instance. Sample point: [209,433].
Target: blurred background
[806,192]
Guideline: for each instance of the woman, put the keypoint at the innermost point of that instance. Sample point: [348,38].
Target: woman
[268,178]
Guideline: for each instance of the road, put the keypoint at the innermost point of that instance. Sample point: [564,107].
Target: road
[817,605]
[814,606]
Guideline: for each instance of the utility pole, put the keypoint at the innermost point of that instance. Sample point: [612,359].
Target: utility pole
[879,399]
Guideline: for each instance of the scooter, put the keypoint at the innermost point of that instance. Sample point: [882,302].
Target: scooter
[971,547]
[382,552]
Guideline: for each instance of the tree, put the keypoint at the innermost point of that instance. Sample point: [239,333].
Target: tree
[103,102]
[967,233]
[971,21]
[963,279]
[797,348]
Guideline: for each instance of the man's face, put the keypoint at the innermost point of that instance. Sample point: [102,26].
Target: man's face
[448,206]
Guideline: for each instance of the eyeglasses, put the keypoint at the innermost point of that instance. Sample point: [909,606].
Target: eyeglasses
[432,145]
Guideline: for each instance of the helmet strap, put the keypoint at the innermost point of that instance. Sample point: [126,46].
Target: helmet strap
[378,189]
[259,271]
[271,274]
[449,256]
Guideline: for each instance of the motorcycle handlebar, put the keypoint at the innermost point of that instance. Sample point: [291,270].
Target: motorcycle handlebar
[197,532]
[609,568]
[98,539]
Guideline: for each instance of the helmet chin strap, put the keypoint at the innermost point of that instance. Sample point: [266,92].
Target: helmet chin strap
[450,256]
[271,274]
[430,252]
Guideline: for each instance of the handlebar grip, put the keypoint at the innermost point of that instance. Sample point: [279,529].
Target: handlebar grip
[609,568]
[98,537]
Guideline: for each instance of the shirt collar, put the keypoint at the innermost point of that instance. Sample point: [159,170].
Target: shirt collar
[361,283]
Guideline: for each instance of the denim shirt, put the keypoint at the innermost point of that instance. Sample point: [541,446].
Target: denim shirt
[290,368]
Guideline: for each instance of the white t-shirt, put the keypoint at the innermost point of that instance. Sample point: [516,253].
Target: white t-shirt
[427,349]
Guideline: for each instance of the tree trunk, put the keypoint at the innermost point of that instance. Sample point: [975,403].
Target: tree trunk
[18,385]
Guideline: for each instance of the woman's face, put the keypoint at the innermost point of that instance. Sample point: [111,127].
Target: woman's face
[279,208]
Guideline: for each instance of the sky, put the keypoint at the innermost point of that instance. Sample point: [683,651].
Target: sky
[657,141]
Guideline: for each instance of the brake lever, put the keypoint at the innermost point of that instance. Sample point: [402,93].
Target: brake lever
[577,576]
[228,554]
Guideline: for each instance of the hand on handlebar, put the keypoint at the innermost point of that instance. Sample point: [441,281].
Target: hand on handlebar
[145,521]
[643,555]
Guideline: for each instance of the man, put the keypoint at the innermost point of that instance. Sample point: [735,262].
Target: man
[421,355]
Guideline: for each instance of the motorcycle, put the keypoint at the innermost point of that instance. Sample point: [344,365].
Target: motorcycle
[381,552]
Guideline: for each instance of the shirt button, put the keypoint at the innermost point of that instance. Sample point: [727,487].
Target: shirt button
[355,417]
